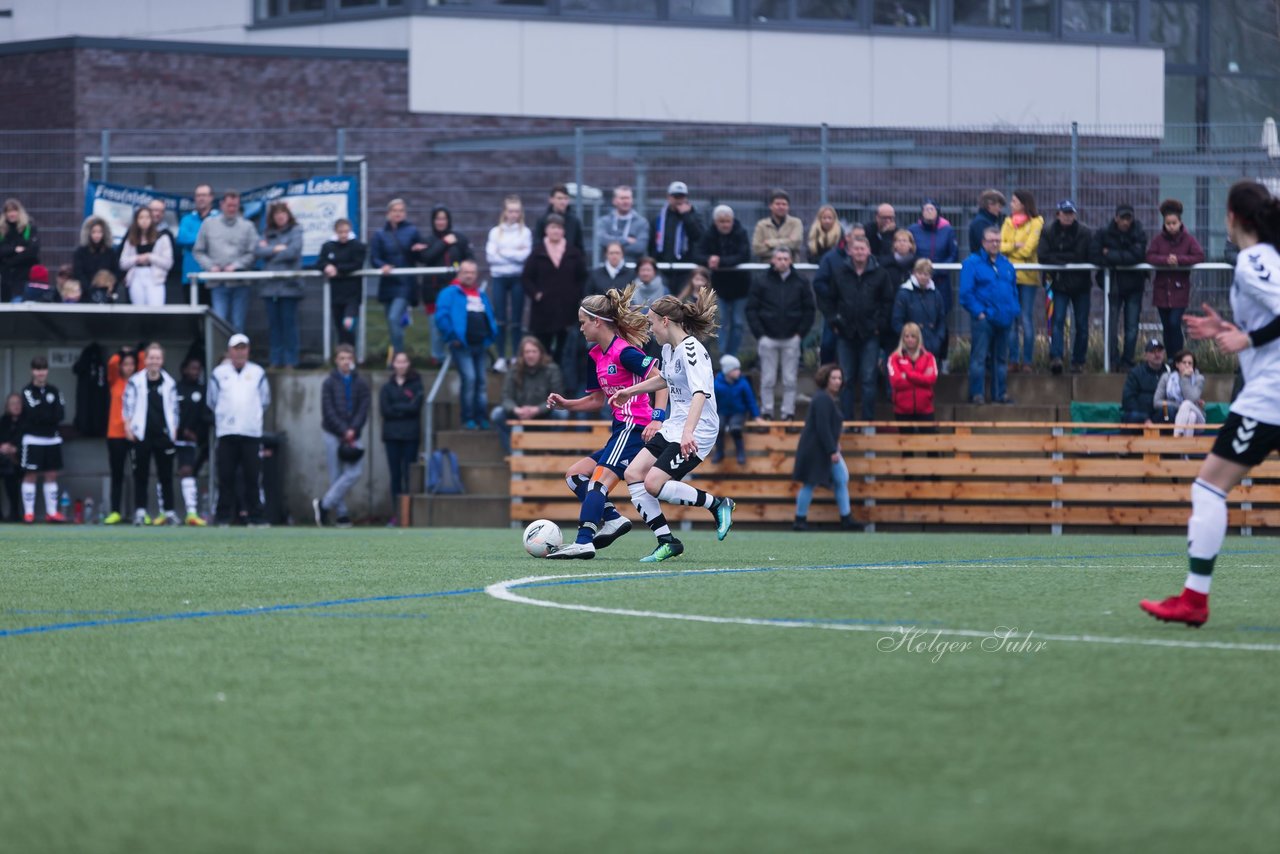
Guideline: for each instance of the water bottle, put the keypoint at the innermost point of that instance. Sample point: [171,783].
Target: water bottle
[79,512]
[64,505]
[89,518]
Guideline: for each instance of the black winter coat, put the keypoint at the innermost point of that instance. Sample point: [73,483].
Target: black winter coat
[1124,249]
[93,395]
[87,261]
[572,228]
[347,258]
[10,434]
[1061,245]
[777,308]
[441,254]
[553,292]
[15,266]
[859,307]
[1138,399]
[336,418]
[598,281]
[401,408]
[819,439]
[733,249]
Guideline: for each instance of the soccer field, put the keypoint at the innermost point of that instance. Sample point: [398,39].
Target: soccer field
[369,690]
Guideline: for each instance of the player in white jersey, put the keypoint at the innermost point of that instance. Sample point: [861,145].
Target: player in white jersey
[1252,430]
[688,432]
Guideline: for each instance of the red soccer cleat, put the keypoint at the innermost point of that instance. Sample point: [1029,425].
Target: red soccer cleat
[56,518]
[28,517]
[1177,609]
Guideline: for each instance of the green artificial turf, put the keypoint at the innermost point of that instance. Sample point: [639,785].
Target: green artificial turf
[460,722]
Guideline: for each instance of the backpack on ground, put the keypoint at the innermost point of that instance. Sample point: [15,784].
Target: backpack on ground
[443,476]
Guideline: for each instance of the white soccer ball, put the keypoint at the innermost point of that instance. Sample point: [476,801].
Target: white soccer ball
[540,536]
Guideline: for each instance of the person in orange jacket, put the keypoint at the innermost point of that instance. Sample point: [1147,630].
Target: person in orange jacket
[120,367]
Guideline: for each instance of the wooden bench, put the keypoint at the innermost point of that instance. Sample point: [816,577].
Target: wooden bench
[972,474]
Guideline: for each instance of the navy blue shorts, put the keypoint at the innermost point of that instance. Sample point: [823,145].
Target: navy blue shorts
[624,443]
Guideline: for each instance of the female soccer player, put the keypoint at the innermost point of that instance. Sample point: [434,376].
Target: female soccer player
[615,332]
[1252,430]
[690,433]
[151,423]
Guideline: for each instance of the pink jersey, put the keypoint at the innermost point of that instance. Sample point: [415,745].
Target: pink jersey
[618,367]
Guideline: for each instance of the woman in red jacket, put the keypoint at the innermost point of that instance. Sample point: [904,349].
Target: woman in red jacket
[1172,246]
[912,374]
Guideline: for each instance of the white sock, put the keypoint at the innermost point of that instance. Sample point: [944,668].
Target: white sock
[675,492]
[648,507]
[1199,583]
[189,496]
[1208,524]
[50,497]
[29,498]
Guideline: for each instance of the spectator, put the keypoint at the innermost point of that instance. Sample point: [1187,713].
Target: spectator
[533,377]
[338,260]
[649,285]
[609,275]
[1172,246]
[19,250]
[825,234]
[558,205]
[913,372]
[1066,241]
[280,249]
[918,301]
[1020,243]
[988,291]
[225,245]
[38,288]
[345,402]
[734,402]
[553,278]
[173,294]
[394,246]
[43,409]
[822,289]
[818,458]
[400,402]
[900,261]
[94,256]
[936,241]
[467,327]
[1122,243]
[238,396]
[677,231]
[881,232]
[990,214]
[10,465]
[1179,397]
[624,226]
[780,312]
[151,427]
[779,228]
[445,248]
[722,248]
[194,418]
[69,291]
[120,369]
[506,250]
[1138,400]
[189,230]
[859,306]
[699,278]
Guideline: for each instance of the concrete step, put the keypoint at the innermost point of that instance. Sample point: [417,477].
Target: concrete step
[460,511]
[486,478]
[472,446]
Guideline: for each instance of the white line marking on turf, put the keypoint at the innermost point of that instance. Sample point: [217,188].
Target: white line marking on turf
[502,590]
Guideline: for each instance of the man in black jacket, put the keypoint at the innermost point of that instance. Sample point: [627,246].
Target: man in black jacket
[780,313]
[724,246]
[858,306]
[1138,399]
[558,203]
[880,234]
[1122,243]
[338,259]
[675,233]
[1066,241]
[344,406]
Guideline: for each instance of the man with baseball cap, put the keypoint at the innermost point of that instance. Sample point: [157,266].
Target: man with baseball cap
[1066,241]
[238,395]
[1122,243]
[676,230]
[1138,401]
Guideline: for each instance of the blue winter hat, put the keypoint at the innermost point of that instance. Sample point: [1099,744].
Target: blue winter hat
[928,202]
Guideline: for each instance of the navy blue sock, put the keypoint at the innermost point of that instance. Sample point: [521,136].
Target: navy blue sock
[610,512]
[592,511]
[578,484]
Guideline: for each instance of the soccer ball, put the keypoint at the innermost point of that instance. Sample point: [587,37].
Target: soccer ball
[540,536]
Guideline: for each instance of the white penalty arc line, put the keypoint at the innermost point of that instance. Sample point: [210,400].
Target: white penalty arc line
[503,590]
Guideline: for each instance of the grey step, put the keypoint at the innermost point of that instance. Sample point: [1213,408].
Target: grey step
[472,446]
[477,478]
[460,511]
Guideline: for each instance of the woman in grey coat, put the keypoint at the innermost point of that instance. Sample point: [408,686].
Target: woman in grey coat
[1179,396]
[281,249]
[818,459]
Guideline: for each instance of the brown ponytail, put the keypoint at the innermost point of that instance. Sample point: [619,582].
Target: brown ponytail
[697,317]
[615,307]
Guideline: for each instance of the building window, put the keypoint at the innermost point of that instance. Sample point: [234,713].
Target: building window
[281,8]
[629,8]
[827,10]
[903,13]
[1037,16]
[1244,36]
[1177,27]
[701,8]
[988,14]
[1099,17]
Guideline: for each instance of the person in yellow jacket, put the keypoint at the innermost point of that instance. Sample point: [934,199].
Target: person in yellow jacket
[1020,243]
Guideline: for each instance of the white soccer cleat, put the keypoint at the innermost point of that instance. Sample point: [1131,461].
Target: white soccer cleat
[570,551]
[610,531]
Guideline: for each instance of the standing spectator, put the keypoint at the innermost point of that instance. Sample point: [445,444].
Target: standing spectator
[19,250]
[467,327]
[818,458]
[780,313]
[43,409]
[676,232]
[552,279]
[900,261]
[1179,398]
[145,260]
[400,402]
[918,301]
[1020,243]
[825,234]
[779,228]
[338,260]
[989,292]
[1172,246]
[151,426]
[189,231]
[649,285]
[859,306]
[624,226]
[10,445]
[881,231]
[936,242]
[1066,241]
[194,418]
[94,257]
[280,249]
[120,369]
[913,372]
[722,248]
[990,214]
[445,248]
[822,289]
[173,294]
[734,402]
[225,245]
[238,396]
[558,205]
[1138,399]
[1122,243]
[394,246]
[609,275]
[345,402]
[532,379]
[506,250]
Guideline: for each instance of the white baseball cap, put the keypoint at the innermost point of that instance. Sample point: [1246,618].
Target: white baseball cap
[237,340]
[677,188]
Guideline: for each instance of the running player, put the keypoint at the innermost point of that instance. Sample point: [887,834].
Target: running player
[1252,429]
[689,434]
[615,332]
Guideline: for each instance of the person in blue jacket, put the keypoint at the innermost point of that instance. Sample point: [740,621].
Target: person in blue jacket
[989,292]
[936,241]
[465,321]
[734,401]
[396,244]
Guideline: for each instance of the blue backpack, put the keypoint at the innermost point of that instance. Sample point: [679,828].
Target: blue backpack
[443,477]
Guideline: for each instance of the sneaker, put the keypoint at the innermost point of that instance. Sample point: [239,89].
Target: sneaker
[800,524]
[140,517]
[484,424]
[611,530]
[343,522]
[1077,369]
[321,515]
[978,400]
[28,518]
[569,551]
[113,518]
[55,518]
[742,457]
[717,456]
[500,366]
[1006,400]
[168,517]
[665,551]
[470,425]
[194,521]
[848,524]
[1176,609]
[1055,367]
[723,511]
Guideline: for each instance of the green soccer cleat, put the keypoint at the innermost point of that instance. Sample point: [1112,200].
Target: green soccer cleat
[724,517]
[664,551]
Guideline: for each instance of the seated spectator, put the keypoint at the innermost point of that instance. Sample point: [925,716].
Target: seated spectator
[988,291]
[734,402]
[649,285]
[506,249]
[1020,243]
[103,288]
[400,402]
[533,377]
[818,458]
[19,250]
[280,249]
[446,247]
[881,232]
[825,234]
[345,402]
[465,322]
[38,288]
[1066,241]
[1179,397]
[780,311]
[10,456]
[919,302]
[699,278]
[1172,246]
[990,214]
[779,228]
[1137,405]
[610,275]
[94,256]
[913,372]
[1122,243]
[69,291]
[624,226]
[722,249]
[338,259]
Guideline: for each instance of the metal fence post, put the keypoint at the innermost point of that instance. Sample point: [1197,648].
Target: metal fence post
[341,159]
[106,154]
[825,165]
[1107,331]
[579,168]
[1075,160]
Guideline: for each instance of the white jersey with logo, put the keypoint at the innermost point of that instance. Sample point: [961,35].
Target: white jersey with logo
[687,369]
[1255,301]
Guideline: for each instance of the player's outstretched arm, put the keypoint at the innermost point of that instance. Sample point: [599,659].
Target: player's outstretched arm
[1202,327]
[591,402]
[622,397]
